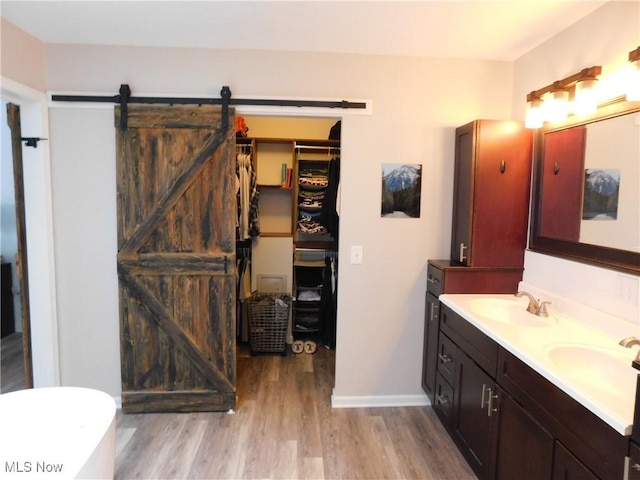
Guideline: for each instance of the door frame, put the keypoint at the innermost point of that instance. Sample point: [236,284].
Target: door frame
[39,228]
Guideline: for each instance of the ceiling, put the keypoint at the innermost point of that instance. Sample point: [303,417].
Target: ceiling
[499,30]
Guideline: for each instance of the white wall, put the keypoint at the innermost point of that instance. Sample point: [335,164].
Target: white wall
[603,38]
[23,56]
[417,103]
[84,195]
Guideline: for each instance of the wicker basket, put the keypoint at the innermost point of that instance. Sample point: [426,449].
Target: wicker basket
[268,321]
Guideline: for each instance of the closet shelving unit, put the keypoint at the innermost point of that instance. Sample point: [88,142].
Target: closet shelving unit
[310,239]
[312,164]
[278,203]
[308,282]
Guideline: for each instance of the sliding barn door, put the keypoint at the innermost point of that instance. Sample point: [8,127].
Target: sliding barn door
[176,259]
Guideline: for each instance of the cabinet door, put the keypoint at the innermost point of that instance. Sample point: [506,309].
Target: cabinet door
[430,354]
[491,193]
[567,467]
[524,448]
[476,413]
[462,194]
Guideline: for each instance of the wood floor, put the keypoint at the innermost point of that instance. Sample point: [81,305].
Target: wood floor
[11,363]
[284,428]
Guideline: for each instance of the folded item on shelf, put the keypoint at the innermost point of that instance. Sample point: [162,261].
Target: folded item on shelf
[309,225]
[313,182]
[308,296]
[301,326]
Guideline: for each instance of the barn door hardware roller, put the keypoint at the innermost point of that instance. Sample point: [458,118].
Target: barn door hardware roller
[124,98]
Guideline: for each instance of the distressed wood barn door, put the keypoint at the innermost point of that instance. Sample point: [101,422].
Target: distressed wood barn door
[176,258]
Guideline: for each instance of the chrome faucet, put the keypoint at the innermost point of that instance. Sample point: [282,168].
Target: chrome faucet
[535,306]
[629,342]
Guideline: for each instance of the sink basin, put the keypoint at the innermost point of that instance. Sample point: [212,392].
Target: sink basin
[595,367]
[506,310]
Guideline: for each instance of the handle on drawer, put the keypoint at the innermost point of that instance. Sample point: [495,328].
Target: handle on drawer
[636,467]
[463,257]
[442,399]
[433,280]
[444,358]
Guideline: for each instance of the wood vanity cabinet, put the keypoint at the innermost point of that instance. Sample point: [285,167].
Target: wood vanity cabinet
[510,422]
[491,193]
[445,277]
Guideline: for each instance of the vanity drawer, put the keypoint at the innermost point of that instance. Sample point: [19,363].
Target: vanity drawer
[435,280]
[482,349]
[443,401]
[447,358]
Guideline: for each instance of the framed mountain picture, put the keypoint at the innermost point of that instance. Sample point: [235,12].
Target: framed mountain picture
[401,187]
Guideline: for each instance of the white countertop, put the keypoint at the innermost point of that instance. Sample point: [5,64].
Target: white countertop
[586,363]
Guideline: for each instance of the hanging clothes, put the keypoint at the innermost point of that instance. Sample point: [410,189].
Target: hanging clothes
[248,195]
[329,214]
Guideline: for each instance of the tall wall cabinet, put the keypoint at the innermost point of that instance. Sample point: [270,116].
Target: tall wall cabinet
[491,193]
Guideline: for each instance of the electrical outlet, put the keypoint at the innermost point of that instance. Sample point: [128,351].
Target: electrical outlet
[356,254]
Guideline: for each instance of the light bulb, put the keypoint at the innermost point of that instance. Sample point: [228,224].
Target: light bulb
[633,83]
[556,106]
[535,115]
[586,99]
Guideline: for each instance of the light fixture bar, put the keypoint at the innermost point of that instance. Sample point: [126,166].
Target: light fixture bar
[591,72]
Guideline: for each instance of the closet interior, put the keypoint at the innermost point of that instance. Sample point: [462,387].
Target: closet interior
[288,171]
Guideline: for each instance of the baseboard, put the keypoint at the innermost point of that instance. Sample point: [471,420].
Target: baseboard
[379,401]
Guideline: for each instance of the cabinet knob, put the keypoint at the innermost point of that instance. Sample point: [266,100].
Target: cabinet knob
[503,166]
[636,467]
[432,280]
[442,400]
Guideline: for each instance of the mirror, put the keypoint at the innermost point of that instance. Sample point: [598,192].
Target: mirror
[586,197]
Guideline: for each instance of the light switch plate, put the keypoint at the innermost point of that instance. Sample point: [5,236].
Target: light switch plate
[356,254]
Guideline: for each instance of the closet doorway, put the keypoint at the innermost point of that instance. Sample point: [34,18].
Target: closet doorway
[17,371]
[294,253]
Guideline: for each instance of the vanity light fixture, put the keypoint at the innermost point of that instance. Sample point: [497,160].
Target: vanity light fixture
[552,103]
[633,88]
